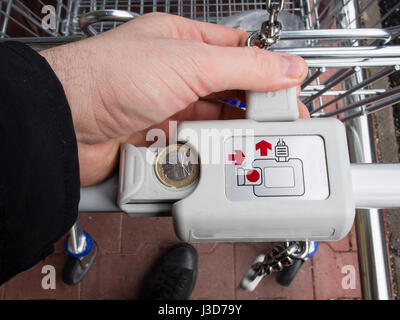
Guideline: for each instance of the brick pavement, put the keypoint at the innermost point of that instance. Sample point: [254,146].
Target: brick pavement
[129,246]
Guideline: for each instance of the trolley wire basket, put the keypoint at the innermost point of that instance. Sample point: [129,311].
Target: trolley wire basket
[350,56]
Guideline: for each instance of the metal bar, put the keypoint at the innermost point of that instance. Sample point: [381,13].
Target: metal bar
[341,52]
[24,12]
[318,20]
[77,239]
[6,18]
[68,19]
[324,87]
[385,103]
[393,9]
[317,14]
[332,13]
[375,77]
[365,33]
[340,34]
[363,92]
[58,19]
[90,18]
[363,102]
[349,62]
[315,5]
[20,25]
[314,76]
[372,252]
[305,13]
[337,34]
[333,77]
[362,11]
[371,109]
[376,185]
[339,78]
[100,198]
[315,25]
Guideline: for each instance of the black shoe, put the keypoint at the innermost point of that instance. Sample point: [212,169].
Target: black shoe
[174,275]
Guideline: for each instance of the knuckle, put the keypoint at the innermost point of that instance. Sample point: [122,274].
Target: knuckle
[164,17]
[207,80]
[262,61]
[158,15]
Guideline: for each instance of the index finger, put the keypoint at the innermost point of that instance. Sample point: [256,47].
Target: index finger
[176,27]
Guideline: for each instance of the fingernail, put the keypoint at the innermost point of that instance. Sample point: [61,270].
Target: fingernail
[292,67]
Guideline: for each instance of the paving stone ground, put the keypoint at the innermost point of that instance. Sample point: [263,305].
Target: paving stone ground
[130,246]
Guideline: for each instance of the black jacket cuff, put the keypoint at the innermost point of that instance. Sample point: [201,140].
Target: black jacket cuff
[39,169]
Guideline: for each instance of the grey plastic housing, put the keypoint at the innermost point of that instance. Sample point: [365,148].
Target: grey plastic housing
[278,105]
[140,192]
[207,215]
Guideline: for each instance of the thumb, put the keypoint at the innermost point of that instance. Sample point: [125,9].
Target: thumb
[248,68]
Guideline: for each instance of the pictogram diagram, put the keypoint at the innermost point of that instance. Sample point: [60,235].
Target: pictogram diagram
[271,176]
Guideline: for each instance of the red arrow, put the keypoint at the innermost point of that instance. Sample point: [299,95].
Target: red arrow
[263,146]
[238,157]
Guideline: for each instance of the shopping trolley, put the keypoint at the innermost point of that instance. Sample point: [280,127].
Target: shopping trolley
[351,60]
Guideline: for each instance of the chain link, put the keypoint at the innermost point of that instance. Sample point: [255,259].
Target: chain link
[274,6]
[281,256]
[270,29]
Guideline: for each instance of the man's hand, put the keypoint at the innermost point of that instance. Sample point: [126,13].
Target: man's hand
[156,68]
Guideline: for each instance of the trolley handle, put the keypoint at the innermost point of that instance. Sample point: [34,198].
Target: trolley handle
[384,35]
[86,21]
[375,185]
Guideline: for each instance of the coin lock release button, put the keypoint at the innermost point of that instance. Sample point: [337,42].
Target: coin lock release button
[278,105]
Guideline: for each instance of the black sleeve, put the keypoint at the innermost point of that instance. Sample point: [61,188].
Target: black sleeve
[39,170]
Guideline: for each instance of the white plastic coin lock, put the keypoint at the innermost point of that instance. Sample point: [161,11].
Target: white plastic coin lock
[270,177]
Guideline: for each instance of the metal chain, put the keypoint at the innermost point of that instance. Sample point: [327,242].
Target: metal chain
[281,256]
[270,29]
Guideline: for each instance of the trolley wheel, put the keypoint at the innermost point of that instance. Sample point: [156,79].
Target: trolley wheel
[76,268]
[286,276]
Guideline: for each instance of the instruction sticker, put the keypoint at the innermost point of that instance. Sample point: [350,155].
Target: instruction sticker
[292,167]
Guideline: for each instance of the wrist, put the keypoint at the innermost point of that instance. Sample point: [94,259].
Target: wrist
[68,63]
